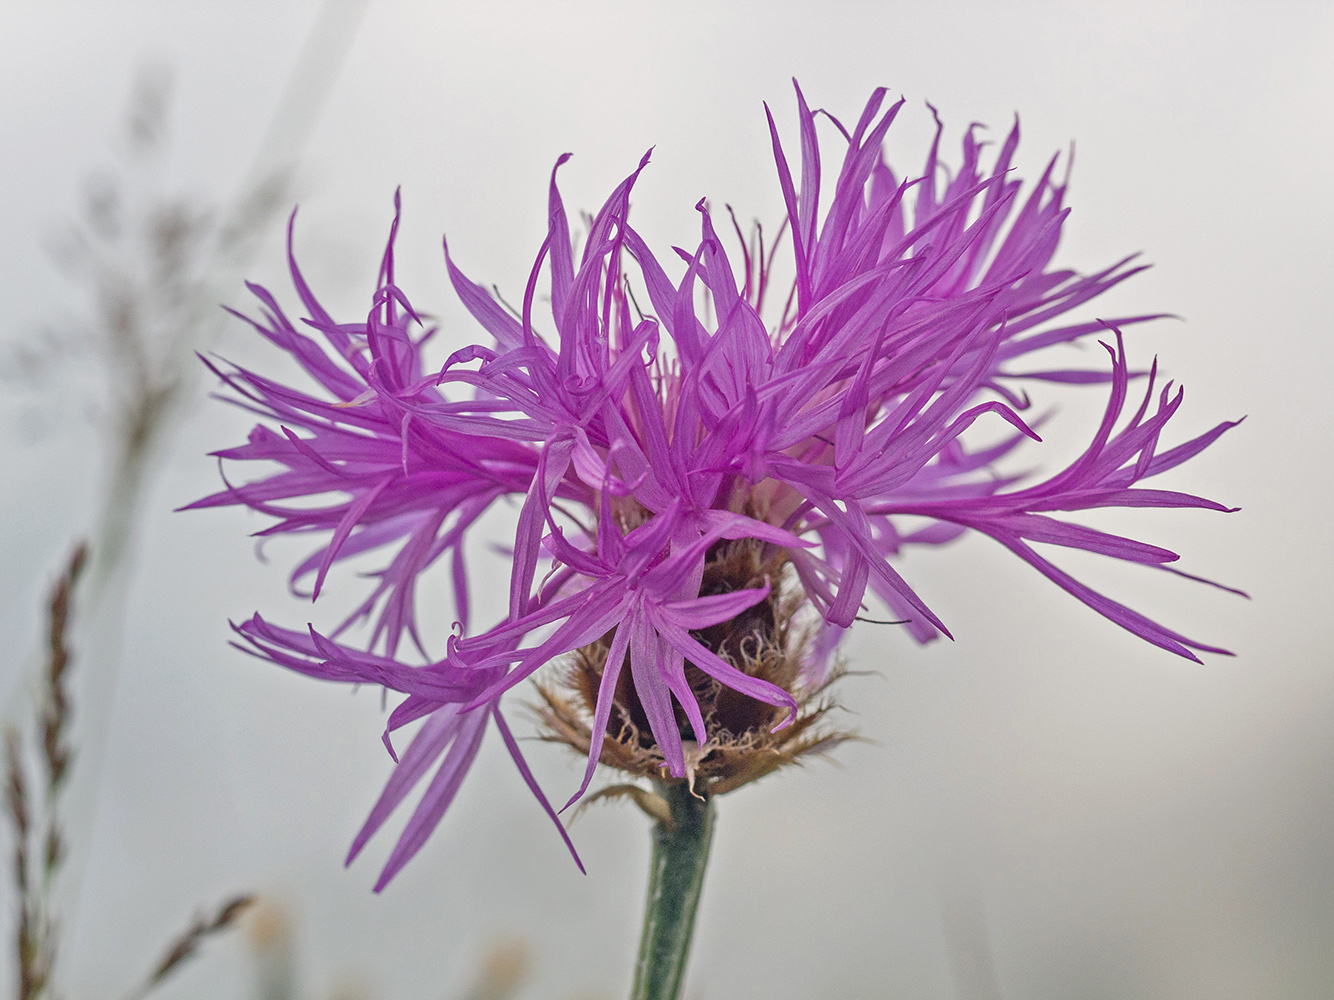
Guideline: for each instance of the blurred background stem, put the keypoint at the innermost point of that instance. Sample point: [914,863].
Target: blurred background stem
[149,331]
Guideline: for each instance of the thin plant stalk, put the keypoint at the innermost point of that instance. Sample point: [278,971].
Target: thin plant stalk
[145,420]
[676,882]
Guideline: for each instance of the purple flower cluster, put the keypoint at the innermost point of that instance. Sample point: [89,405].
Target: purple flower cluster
[640,442]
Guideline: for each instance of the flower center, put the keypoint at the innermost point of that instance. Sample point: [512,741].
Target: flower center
[763,641]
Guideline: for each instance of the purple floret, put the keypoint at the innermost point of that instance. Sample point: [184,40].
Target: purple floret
[635,444]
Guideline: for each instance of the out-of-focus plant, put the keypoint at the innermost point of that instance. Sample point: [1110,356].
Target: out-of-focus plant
[39,842]
[151,264]
[503,968]
[40,839]
[154,264]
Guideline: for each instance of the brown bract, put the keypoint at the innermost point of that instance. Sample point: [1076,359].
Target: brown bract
[767,641]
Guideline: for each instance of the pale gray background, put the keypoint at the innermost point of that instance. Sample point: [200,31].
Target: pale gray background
[1131,825]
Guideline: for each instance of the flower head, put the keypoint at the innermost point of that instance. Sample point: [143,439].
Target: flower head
[707,500]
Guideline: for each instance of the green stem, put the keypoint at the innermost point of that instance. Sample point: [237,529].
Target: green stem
[676,879]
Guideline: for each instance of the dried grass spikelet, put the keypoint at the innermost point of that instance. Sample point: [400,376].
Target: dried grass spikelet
[769,641]
[186,944]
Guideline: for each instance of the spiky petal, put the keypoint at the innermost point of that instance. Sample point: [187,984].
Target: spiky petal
[638,447]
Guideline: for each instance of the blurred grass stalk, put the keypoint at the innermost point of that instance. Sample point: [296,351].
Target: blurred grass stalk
[40,840]
[157,274]
[40,844]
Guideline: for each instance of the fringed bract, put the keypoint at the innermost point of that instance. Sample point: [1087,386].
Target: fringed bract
[768,641]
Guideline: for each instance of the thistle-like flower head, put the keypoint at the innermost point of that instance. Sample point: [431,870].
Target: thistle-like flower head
[707,499]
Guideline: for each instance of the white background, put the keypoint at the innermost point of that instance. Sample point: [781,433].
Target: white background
[1126,823]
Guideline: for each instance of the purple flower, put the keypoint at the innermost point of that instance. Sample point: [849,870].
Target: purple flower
[694,481]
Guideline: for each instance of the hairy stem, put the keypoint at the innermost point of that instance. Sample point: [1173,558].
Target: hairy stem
[676,880]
